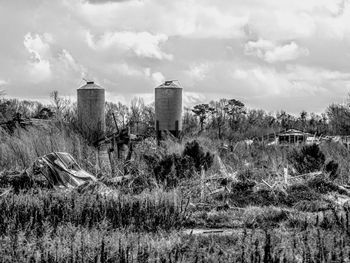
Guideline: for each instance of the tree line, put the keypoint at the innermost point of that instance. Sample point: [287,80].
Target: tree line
[221,119]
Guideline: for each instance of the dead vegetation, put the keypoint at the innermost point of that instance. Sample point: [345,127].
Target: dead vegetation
[271,197]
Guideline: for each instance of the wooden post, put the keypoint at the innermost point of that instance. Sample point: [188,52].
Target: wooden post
[111,156]
[115,122]
[286,175]
[202,184]
[98,165]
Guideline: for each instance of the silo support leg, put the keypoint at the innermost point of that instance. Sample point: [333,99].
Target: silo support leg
[177,129]
[157,133]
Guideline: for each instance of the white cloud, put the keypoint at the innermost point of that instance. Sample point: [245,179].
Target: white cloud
[158,78]
[287,52]
[3,82]
[239,74]
[143,44]
[188,18]
[127,70]
[69,63]
[271,52]
[198,71]
[38,66]
[207,20]
[192,98]
[144,74]
[37,44]
[294,81]
[316,76]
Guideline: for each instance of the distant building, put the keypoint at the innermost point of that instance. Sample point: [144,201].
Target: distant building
[292,136]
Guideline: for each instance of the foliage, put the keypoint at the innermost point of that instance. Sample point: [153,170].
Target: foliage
[19,181]
[339,116]
[201,110]
[171,168]
[308,159]
[200,158]
[324,186]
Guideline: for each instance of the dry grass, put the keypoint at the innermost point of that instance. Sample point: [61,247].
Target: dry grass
[148,211]
[287,223]
[18,151]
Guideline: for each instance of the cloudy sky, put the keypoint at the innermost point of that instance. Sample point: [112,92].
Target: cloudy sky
[271,54]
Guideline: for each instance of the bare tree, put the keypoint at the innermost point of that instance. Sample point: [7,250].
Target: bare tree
[339,119]
[62,106]
[219,115]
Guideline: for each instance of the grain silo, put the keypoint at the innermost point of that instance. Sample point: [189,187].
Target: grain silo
[168,107]
[91,111]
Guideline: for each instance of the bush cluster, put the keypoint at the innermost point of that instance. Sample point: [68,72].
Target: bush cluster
[171,168]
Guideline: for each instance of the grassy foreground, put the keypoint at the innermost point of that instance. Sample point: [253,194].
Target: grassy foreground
[156,216]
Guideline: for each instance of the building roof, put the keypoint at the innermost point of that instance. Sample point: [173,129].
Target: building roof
[91,85]
[170,84]
[293,132]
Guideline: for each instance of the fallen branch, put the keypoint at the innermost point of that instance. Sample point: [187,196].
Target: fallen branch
[313,174]
[271,186]
[119,179]
[6,192]
[220,190]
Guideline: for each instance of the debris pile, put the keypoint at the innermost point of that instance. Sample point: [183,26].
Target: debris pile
[55,170]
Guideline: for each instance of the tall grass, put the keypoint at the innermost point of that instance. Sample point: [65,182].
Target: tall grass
[147,211]
[341,155]
[69,243]
[19,150]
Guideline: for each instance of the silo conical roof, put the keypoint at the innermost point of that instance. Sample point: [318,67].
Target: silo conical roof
[170,84]
[91,85]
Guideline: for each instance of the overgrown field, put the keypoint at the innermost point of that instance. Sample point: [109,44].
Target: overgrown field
[189,201]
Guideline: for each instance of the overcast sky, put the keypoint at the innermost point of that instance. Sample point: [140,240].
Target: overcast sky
[270,54]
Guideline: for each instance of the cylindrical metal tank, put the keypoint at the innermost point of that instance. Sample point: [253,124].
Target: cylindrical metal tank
[168,107]
[91,111]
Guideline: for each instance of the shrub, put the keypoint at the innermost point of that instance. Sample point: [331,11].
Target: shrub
[23,181]
[171,168]
[323,186]
[300,192]
[243,188]
[312,206]
[332,168]
[309,159]
[200,158]
[263,216]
